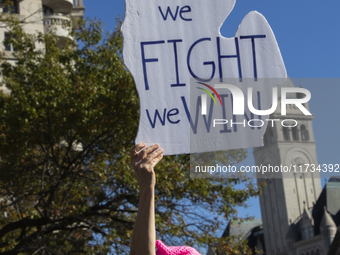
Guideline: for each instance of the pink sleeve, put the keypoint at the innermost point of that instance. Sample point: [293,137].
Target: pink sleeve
[162,249]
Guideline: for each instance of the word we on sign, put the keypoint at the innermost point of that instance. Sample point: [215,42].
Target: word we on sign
[172,46]
[173,14]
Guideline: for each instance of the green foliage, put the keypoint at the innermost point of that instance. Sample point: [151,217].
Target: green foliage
[66,129]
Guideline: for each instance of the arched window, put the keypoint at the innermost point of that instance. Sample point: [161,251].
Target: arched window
[295,133]
[286,135]
[304,133]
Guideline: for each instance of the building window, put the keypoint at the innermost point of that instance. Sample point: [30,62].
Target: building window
[286,135]
[47,10]
[271,136]
[304,133]
[295,133]
[9,6]
[311,232]
[265,140]
[305,233]
[8,45]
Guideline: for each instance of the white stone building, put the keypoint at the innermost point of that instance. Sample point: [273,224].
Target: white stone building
[40,16]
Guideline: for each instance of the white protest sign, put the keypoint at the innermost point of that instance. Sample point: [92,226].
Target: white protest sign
[173,46]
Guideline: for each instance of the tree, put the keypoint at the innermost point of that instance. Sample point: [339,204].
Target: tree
[65,134]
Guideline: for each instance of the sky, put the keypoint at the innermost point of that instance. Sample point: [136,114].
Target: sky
[307,31]
[308,34]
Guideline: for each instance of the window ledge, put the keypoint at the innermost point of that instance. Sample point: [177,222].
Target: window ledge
[18,16]
[7,55]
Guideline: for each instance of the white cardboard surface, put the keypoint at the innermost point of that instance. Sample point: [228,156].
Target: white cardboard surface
[164,51]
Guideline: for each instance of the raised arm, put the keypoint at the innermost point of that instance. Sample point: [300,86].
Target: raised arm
[143,161]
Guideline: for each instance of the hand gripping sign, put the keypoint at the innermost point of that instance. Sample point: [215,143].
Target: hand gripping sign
[182,68]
